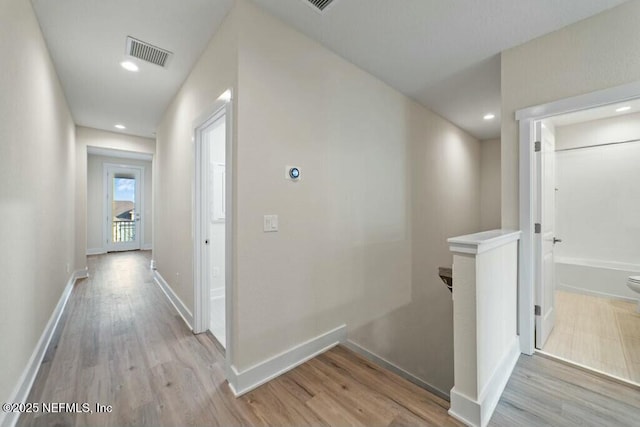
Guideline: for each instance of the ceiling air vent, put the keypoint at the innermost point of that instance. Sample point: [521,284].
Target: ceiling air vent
[320,5]
[147,52]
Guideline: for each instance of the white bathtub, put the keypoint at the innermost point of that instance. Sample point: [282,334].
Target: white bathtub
[593,277]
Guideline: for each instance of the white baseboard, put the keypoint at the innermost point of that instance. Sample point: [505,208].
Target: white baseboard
[253,377]
[477,413]
[396,369]
[576,290]
[152,264]
[23,387]
[81,274]
[173,298]
[147,247]
[96,251]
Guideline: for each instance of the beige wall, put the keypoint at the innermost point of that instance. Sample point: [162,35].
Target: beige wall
[597,53]
[593,132]
[95,200]
[384,183]
[215,72]
[37,193]
[89,137]
[490,186]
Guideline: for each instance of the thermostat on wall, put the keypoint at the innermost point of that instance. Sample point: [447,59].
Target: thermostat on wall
[293,173]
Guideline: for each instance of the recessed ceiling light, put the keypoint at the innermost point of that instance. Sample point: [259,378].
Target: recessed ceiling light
[622,109]
[129,66]
[489,116]
[120,126]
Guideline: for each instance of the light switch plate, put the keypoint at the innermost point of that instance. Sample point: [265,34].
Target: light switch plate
[270,223]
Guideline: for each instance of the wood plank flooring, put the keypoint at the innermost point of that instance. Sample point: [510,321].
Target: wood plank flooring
[121,343]
[544,392]
[597,332]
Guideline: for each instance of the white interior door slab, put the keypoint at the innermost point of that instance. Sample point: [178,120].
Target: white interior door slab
[545,232]
[212,185]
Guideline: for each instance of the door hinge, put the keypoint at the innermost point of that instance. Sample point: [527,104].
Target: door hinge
[537,310]
[537,146]
[537,228]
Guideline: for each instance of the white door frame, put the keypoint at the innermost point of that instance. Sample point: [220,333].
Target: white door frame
[527,118]
[222,107]
[106,230]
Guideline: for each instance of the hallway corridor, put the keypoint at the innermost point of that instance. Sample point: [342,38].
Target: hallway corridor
[121,343]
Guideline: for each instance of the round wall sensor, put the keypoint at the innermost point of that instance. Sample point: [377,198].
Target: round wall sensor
[294,173]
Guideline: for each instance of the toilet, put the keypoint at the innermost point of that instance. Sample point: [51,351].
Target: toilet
[634,284]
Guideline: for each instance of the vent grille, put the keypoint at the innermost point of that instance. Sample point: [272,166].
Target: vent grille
[321,5]
[147,52]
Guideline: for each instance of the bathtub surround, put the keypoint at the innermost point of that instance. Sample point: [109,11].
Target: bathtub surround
[598,199]
[597,278]
[598,206]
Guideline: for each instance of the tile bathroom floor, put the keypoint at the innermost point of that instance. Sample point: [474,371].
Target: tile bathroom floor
[600,333]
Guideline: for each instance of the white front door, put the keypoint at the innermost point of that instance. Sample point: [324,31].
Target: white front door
[122,208]
[545,232]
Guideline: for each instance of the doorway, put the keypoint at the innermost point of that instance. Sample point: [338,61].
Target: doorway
[213,231]
[123,207]
[579,209]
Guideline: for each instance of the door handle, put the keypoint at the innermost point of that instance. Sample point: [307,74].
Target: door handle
[556,240]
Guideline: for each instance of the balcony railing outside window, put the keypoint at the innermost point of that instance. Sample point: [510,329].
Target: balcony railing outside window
[123,231]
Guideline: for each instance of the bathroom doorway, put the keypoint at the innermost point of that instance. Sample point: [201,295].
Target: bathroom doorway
[588,312]
[213,231]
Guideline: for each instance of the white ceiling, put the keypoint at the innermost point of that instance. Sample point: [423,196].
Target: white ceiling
[444,54]
[87,40]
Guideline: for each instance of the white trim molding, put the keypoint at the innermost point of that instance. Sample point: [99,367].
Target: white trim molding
[477,413]
[483,241]
[356,348]
[23,387]
[485,342]
[527,118]
[263,372]
[180,307]
[96,251]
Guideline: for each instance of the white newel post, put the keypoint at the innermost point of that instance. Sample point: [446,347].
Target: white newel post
[486,346]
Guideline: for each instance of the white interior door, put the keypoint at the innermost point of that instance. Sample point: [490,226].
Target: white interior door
[545,232]
[122,208]
[213,185]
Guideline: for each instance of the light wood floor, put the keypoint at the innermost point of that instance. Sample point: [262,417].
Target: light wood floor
[600,333]
[121,343]
[544,392]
